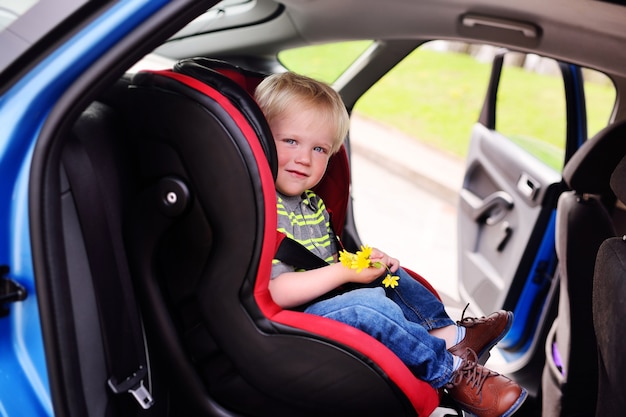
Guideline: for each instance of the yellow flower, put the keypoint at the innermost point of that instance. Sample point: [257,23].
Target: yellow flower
[365,252]
[361,260]
[391,281]
[346,258]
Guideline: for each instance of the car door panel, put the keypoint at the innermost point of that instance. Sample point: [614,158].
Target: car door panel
[507,208]
[501,195]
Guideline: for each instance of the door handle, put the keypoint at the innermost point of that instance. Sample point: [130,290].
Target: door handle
[489,210]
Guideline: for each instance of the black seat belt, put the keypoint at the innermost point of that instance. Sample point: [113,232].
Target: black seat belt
[293,253]
[123,337]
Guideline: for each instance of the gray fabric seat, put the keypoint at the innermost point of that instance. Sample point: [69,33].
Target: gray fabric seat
[609,312]
[584,221]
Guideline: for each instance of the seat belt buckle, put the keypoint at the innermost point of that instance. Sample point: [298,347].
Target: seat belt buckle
[134,386]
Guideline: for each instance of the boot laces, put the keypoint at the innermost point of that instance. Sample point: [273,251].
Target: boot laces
[470,372]
[470,321]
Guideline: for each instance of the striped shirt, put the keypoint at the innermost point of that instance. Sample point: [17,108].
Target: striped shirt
[304,219]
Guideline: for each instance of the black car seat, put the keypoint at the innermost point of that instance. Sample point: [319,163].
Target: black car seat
[201,243]
[584,221]
[609,314]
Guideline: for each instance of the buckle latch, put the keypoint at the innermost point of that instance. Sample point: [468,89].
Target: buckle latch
[134,386]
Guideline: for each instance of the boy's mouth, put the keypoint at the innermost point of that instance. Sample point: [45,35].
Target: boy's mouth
[297,173]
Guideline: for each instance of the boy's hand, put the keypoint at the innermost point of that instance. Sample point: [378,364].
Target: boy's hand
[379,256]
[365,275]
[368,275]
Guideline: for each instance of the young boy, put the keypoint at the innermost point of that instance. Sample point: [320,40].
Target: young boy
[309,122]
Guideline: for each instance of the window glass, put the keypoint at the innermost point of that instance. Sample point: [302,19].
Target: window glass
[531,105]
[530,109]
[600,98]
[435,95]
[323,62]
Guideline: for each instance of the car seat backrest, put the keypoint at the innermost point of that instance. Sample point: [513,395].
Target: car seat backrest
[583,221]
[201,241]
[609,313]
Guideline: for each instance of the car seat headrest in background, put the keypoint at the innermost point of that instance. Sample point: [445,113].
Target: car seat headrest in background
[590,168]
[609,311]
[618,180]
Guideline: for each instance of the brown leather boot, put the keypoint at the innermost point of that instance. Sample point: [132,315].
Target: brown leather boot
[481,334]
[483,392]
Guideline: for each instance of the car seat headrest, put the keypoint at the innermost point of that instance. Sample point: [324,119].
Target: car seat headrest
[590,168]
[238,85]
[230,79]
[202,68]
[618,180]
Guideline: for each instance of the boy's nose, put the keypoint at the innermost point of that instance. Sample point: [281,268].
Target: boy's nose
[303,157]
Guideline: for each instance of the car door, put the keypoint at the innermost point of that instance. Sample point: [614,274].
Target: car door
[506,213]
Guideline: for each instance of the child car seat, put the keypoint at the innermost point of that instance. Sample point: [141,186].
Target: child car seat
[201,243]
[584,220]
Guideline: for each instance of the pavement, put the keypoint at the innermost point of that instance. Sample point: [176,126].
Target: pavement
[405,196]
[427,167]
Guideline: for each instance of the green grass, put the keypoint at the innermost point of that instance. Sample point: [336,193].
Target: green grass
[430,99]
[436,97]
[323,62]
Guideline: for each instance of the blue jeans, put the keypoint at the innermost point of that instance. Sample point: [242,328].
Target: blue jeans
[400,318]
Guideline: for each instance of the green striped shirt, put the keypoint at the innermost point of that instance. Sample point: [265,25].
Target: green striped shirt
[304,219]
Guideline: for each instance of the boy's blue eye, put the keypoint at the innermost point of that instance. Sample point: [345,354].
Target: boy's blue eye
[319,149]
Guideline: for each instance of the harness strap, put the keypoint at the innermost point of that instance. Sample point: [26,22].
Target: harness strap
[293,253]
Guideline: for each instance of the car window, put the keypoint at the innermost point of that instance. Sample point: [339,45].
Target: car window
[530,107]
[323,62]
[434,95]
[600,97]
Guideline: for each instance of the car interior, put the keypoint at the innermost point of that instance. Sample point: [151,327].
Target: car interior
[171,148]
[162,213]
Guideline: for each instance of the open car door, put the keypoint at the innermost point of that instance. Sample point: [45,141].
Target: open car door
[506,215]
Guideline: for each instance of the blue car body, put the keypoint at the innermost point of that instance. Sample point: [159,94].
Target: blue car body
[24,108]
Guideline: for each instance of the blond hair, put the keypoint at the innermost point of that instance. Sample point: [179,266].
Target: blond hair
[277,93]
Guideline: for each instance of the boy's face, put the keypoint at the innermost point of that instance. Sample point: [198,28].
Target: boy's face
[303,143]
